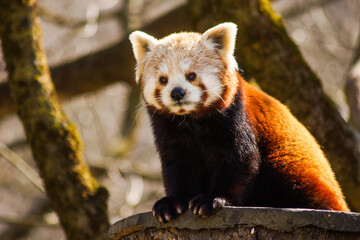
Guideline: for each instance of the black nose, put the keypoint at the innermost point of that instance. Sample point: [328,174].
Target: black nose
[177,94]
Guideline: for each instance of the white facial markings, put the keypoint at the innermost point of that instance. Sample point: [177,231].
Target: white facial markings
[193,93]
[163,69]
[183,109]
[166,93]
[150,84]
[214,87]
[184,65]
[191,98]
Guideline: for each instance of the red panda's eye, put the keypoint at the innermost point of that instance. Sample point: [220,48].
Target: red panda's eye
[163,80]
[191,76]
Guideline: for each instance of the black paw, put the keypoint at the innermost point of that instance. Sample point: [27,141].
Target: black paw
[169,208]
[205,206]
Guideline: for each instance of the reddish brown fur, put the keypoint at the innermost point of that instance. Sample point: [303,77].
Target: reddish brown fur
[204,94]
[291,149]
[157,95]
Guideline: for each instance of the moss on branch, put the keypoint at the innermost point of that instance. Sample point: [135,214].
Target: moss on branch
[74,193]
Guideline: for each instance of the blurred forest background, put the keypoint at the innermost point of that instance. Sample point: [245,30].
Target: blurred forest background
[113,124]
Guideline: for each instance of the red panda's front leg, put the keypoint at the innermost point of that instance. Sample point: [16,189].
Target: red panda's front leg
[180,169]
[180,187]
[230,182]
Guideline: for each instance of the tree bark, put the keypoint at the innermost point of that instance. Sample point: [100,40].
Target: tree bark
[243,223]
[54,140]
[272,58]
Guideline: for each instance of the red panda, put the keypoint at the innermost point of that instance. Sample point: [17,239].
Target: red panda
[221,141]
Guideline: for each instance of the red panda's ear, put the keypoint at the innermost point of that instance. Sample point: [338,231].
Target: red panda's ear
[222,37]
[142,43]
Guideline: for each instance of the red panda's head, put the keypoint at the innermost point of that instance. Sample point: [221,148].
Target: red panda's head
[187,73]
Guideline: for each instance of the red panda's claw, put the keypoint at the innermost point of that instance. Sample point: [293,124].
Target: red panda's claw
[169,208]
[203,206]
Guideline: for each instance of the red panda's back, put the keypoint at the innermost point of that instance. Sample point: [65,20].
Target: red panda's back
[290,150]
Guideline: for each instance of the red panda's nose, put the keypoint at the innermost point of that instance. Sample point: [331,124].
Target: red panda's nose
[177,94]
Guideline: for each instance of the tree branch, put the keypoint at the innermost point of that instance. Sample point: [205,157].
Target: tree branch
[290,9]
[21,165]
[104,67]
[76,197]
[76,23]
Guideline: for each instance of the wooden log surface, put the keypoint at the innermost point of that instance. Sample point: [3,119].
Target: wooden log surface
[243,223]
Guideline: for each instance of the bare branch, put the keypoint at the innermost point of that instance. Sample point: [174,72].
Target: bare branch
[21,165]
[102,68]
[289,9]
[76,23]
[79,201]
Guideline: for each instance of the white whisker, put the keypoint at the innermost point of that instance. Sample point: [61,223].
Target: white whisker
[153,114]
[137,112]
[144,105]
[162,110]
[182,121]
[140,104]
[215,88]
[220,98]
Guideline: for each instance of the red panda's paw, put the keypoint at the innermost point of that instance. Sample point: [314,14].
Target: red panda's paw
[205,206]
[168,208]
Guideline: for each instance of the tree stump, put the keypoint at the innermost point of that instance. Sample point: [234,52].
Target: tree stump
[243,223]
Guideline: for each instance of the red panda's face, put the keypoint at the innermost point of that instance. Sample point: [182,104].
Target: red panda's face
[182,75]
[187,72]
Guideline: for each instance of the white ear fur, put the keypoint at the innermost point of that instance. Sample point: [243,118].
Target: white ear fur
[142,43]
[222,37]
